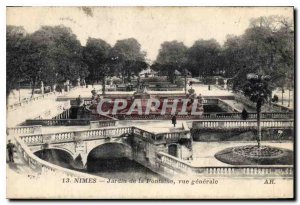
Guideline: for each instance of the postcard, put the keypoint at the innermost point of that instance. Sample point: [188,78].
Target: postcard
[150,102]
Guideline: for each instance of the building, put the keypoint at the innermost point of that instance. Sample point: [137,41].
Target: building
[147,73]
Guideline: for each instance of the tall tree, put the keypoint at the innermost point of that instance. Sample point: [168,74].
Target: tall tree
[171,57]
[266,46]
[64,55]
[14,57]
[129,58]
[97,57]
[50,54]
[204,57]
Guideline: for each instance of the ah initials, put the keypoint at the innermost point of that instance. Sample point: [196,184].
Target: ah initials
[270,181]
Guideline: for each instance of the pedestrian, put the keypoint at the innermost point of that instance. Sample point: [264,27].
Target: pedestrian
[174,120]
[10,149]
[244,114]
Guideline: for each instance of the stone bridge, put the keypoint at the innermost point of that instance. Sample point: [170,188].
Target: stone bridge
[131,142]
[165,153]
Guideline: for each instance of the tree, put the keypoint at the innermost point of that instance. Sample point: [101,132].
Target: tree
[97,57]
[171,57]
[51,55]
[64,55]
[129,58]
[266,45]
[257,90]
[204,57]
[14,59]
[233,55]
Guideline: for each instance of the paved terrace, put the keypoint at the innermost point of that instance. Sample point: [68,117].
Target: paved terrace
[32,109]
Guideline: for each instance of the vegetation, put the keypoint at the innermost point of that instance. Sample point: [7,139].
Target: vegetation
[53,54]
[257,90]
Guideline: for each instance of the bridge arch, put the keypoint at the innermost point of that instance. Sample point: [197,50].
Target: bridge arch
[58,156]
[108,155]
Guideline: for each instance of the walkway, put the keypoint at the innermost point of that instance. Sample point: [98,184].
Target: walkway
[33,109]
[214,90]
[19,167]
[29,111]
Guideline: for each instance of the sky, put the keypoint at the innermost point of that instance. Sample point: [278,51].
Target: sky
[149,25]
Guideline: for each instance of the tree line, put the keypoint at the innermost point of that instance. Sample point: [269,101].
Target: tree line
[53,54]
[266,47]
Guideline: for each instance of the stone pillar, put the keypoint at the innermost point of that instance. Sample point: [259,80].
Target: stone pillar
[68,85]
[54,87]
[217,82]
[225,83]
[42,87]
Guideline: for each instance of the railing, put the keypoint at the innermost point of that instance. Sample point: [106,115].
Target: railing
[148,136]
[222,115]
[206,101]
[72,122]
[29,100]
[236,115]
[103,123]
[24,130]
[88,134]
[58,109]
[58,122]
[91,134]
[156,116]
[180,166]
[274,106]
[43,167]
[282,108]
[242,124]
[173,136]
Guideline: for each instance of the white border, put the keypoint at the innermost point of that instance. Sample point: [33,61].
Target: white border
[3,5]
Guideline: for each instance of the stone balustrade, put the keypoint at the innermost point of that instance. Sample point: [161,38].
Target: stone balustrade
[148,136]
[54,111]
[102,123]
[173,136]
[58,122]
[276,123]
[180,166]
[89,134]
[32,139]
[75,135]
[45,168]
[24,130]
[29,100]
[222,115]
[282,108]
[236,115]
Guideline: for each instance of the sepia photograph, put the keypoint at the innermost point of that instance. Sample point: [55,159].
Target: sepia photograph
[150,102]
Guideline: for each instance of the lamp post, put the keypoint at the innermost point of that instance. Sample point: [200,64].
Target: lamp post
[185,81]
[257,90]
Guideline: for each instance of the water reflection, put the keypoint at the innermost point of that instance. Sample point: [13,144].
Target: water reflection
[120,168]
